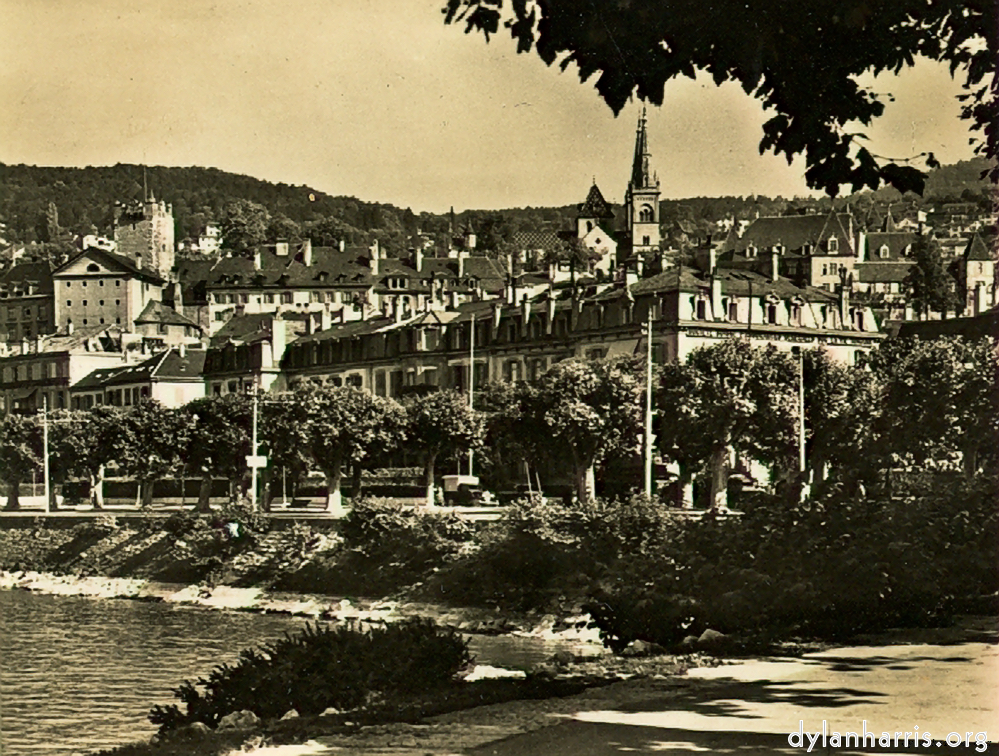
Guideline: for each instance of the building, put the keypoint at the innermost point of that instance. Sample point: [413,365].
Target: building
[144,232]
[26,301]
[172,377]
[160,325]
[976,275]
[641,203]
[101,288]
[44,370]
[247,353]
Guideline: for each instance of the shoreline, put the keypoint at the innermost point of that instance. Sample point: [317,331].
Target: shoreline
[574,629]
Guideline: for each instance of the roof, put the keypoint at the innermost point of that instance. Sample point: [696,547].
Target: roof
[733,281]
[159,313]
[883,272]
[330,266]
[896,241]
[114,261]
[595,205]
[256,327]
[545,240]
[795,232]
[977,250]
[975,327]
[23,275]
[168,365]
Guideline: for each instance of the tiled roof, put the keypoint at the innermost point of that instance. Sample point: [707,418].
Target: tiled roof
[977,250]
[157,312]
[795,232]
[883,272]
[896,241]
[21,275]
[256,327]
[595,205]
[112,260]
[733,281]
[544,240]
[165,366]
[330,267]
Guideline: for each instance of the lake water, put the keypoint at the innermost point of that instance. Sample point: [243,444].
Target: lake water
[78,675]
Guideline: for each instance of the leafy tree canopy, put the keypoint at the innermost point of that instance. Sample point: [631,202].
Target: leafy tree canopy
[801,60]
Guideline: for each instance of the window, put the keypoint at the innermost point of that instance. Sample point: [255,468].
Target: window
[117,282]
[160,328]
[287,297]
[833,244]
[42,312]
[102,321]
[84,302]
[268,298]
[772,314]
[646,241]
[825,269]
[93,268]
[645,214]
[117,302]
[69,302]
[244,298]
[84,284]
[101,282]
[84,321]
[511,370]
[733,311]
[883,252]
[702,310]
[101,302]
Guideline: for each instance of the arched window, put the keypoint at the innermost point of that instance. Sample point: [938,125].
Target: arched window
[93,268]
[883,252]
[645,214]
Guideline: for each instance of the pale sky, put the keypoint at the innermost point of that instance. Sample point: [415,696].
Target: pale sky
[379,100]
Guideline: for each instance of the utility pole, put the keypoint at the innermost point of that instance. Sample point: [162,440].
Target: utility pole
[45,447]
[648,408]
[471,385]
[253,452]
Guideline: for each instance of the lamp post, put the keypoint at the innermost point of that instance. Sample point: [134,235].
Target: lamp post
[648,407]
[800,354]
[471,385]
[45,448]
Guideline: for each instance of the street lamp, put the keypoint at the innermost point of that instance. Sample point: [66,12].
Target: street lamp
[799,353]
[647,330]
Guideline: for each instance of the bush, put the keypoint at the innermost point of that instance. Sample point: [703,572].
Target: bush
[319,668]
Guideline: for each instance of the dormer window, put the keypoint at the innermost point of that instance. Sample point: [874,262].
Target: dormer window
[833,244]
[751,251]
[883,252]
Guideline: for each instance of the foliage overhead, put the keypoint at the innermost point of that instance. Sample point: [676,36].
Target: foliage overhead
[800,60]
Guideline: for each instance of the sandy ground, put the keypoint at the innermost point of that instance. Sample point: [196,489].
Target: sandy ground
[743,709]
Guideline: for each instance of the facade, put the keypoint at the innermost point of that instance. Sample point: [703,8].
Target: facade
[100,288]
[160,325]
[144,232]
[172,377]
[26,301]
[247,354]
[44,370]
[976,274]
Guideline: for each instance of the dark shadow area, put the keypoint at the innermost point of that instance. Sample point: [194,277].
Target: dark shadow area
[865,663]
[605,739]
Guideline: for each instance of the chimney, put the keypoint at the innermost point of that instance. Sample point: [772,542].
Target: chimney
[40,341]
[281,248]
[525,314]
[716,298]
[639,267]
[712,260]
[24,345]
[182,350]
[178,297]
[453,299]
[844,303]
[307,253]
[256,258]
[980,304]
[461,264]
[509,265]
[342,245]
[861,245]
[497,315]
[774,265]
[375,258]
[279,339]
[418,258]
[138,261]
[551,310]
[325,319]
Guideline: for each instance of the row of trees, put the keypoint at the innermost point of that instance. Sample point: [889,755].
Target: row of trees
[911,404]
[326,429]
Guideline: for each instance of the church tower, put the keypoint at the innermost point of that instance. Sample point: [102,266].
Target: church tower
[641,200]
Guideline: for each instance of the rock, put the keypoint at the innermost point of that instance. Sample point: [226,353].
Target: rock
[641,648]
[290,714]
[239,720]
[563,658]
[188,732]
[711,638]
[689,643]
[332,711]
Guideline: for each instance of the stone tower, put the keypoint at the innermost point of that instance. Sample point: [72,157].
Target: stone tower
[144,231]
[641,200]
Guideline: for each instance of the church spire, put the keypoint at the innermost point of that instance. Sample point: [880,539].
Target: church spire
[640,176]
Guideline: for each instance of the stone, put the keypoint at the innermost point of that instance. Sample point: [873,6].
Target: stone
[689,643]
[563,658]
[710,638]
[239,720]
[587,652]
[332,711]
[290,714]
[188,732]
[641,648]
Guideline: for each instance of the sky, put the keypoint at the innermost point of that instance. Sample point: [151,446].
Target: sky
[378,99]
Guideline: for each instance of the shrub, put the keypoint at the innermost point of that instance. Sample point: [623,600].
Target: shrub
[319,668]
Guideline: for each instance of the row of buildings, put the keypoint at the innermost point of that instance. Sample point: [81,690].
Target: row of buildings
[119,322]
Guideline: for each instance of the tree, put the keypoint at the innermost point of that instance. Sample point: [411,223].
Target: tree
[930,287]
[150,444]
[243,225]
[801,60]
[941,402]
[83,443]
[343,424]
[729,397]
[20,453]
[280,226]
[441,422]
[282,434]
[587,409]
[219,440]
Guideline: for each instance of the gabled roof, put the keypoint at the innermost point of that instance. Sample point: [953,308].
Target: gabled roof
[595,205]
[112,261]
[256,327]
[795,232]
[330,266]
[168,365]
[25,274]
[896,241]
[883,272]
[159,313]
[977,250]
